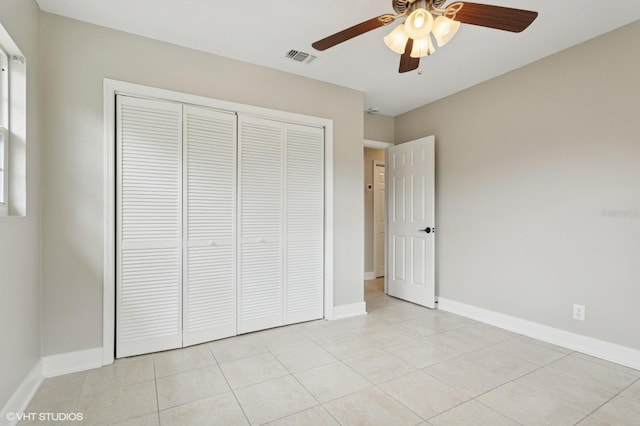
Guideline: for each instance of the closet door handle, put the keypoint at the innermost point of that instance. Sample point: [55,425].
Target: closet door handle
[428,230]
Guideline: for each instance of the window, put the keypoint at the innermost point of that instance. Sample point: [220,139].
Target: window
[13,128]
[4,131]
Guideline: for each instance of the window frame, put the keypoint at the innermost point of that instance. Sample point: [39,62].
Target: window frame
[5,103]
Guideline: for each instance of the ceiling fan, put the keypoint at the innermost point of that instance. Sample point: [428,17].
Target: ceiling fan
[424,18]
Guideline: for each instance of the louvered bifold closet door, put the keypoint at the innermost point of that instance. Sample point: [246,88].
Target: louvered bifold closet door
[260,177]
[304,218]
[149,226]
[210,215]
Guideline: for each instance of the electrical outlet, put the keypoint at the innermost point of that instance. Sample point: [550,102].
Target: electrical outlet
[578,312]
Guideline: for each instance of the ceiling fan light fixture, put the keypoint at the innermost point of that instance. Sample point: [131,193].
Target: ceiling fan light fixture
[412,39]
[444,28]
[422,47]
[396,40]
[419,24]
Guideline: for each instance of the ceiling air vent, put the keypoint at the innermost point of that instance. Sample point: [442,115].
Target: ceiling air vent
[296,55]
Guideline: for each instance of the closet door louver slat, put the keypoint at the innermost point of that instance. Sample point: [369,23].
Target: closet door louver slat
[149,226]
[210,199]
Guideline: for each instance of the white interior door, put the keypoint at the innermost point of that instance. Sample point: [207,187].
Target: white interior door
[304,218]
[148,226]
[378,218]
[209,280]
[220,225]
[411,221]
[260,251]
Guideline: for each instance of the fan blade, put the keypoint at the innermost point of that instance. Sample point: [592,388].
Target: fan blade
[356,30]
[407,63]
[498,17]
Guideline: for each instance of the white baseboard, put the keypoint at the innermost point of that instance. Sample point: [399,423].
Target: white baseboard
[48,366]
[599,348]
[348,311]
[71,362]
[370,276]
[22,396]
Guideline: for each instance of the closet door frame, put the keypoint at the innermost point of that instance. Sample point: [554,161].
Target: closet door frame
[106,354]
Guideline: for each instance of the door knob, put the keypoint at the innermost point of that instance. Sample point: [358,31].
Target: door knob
[428,230]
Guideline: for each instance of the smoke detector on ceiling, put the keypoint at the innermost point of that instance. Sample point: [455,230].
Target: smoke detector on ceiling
[373,110]
[302,57]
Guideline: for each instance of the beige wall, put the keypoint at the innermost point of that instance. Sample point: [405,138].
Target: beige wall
[76,57]
[19,239]
[532,167]
[370,155]
[378,127]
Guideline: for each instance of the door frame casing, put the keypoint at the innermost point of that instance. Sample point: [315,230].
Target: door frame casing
[382,164]
[370,143]
[110,89]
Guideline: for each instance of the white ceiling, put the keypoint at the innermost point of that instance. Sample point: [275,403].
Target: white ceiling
[261,32]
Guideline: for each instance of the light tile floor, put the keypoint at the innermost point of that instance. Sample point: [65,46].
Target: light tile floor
[399,365]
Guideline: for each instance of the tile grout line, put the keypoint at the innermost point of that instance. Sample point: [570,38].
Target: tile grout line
[230,388]
[475,398]
[498,412]
[338,360]
[292,374]
[521,376]
[619,394]
[186,372]
[561,372]
[566,355]
[155,382]
[350,393]
[397,400]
